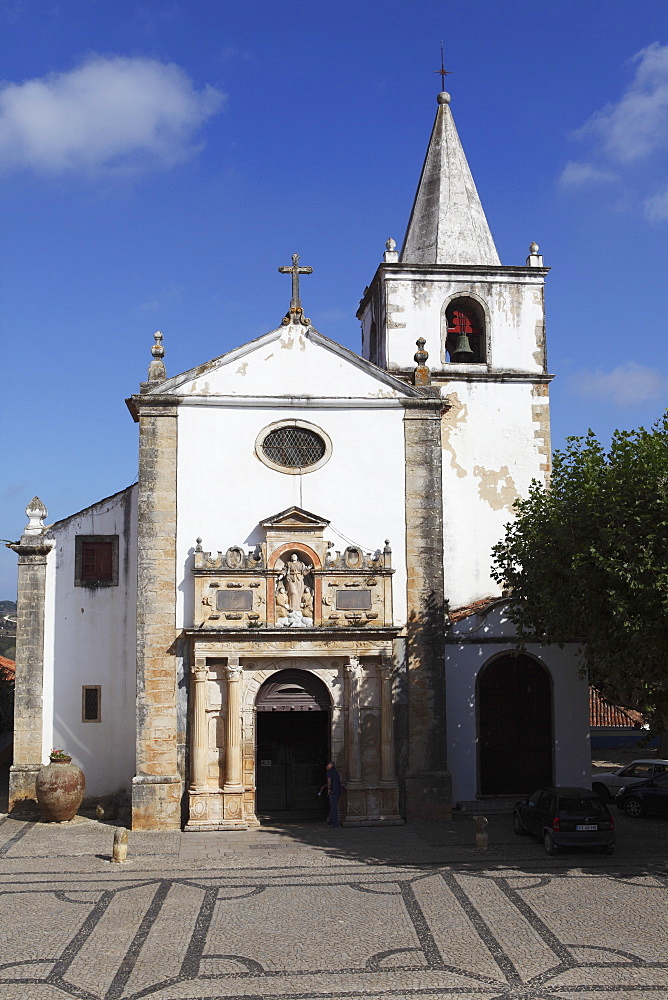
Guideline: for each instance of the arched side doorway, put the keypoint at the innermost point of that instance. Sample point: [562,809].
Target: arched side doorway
[292,742]
[514,698]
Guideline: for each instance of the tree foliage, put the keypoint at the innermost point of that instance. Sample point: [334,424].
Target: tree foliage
[587,560]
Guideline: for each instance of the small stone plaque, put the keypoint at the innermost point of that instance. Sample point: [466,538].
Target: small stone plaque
[234,600]
[353,600]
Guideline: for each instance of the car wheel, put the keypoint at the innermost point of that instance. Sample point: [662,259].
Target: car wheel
[517,826]
[549,844]
[633,807]
[601,791]
[608,849]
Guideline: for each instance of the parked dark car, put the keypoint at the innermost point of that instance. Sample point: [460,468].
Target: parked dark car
[646,797]
[566,817]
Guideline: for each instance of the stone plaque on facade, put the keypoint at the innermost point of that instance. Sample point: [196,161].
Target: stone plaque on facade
[234,600]
[353,600]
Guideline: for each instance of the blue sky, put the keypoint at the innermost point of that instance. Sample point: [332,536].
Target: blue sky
[159,160]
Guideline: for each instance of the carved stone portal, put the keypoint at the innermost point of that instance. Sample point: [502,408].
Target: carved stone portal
[223,737]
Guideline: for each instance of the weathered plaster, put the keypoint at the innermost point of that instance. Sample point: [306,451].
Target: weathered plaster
[496,488]
[454,417]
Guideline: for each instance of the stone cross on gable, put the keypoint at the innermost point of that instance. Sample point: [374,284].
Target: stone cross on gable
[295,271]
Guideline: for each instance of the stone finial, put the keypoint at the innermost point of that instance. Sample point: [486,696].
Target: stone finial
[422,373]
[198,546]
[391,255]
[534,259]
[36,512]
[156,370]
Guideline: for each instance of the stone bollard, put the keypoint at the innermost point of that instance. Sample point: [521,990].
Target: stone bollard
[481,835]
[120,852]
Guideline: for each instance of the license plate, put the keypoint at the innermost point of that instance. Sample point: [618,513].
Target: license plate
[587,826]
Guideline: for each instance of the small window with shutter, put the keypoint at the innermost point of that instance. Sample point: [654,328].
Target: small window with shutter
[91,703]
[96,561]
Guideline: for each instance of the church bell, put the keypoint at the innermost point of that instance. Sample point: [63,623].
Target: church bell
[462,349]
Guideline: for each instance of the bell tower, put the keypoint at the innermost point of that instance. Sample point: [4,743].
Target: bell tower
[482,328]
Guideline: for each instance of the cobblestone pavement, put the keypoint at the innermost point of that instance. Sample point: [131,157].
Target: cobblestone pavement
[303,913]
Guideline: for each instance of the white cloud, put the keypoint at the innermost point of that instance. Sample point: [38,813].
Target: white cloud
[656,208]
[627,385]
[162,299]
[627,140]
[110,113]
[576,174]
[637,124]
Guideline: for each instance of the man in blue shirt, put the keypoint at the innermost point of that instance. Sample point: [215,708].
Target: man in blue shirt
[334,790]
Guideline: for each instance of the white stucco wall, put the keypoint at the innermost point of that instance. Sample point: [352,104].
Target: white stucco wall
[570,707]
[494,444]
[224,490]
[90,637]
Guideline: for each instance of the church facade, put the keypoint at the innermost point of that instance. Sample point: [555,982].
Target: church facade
[302,571]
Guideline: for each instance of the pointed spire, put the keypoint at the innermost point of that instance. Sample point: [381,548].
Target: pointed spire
[447,224]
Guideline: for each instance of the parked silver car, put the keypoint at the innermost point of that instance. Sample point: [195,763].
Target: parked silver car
[608,784]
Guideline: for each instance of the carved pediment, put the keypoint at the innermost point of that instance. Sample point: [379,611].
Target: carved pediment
[295,518]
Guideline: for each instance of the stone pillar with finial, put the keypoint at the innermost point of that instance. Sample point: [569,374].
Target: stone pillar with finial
[422,375]
[157,785]
[391,255]
[156,370]
[534,259]
[33,550]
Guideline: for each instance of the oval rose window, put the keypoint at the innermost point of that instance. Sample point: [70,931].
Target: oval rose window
[293,447]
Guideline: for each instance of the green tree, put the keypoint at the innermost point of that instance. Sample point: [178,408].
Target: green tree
[586,560]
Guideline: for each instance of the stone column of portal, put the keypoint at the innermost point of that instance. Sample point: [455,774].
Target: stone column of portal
[32,551]
[428,783]
[200,748]
[353,671]
[233,765]
[386,720]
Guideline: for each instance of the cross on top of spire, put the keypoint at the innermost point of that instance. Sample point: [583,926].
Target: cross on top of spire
[443,71]
[295,313]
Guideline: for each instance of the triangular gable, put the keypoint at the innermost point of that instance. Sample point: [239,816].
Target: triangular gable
[295,517]
[290,361]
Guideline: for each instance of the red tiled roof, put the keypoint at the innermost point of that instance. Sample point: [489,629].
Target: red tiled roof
[457,614]
[7,669]
[604,713]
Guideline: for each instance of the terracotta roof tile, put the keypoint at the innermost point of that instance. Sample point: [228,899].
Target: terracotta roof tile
[7,669]
[604,713]
[457,614]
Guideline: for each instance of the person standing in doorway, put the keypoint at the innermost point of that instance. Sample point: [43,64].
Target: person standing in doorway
[334,789]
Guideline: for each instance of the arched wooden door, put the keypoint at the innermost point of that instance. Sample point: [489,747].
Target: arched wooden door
[292,742]
[514,726]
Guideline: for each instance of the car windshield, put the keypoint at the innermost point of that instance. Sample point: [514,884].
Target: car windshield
[582,807]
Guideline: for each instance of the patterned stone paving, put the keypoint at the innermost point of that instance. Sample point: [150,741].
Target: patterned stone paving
[306,917]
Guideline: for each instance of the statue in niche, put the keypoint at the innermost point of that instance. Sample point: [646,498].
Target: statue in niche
[307,603]
[288,616]
[282,605]
[294,577]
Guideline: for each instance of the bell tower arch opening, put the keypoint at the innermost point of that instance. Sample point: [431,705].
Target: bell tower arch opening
[293,723]
[465,333]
